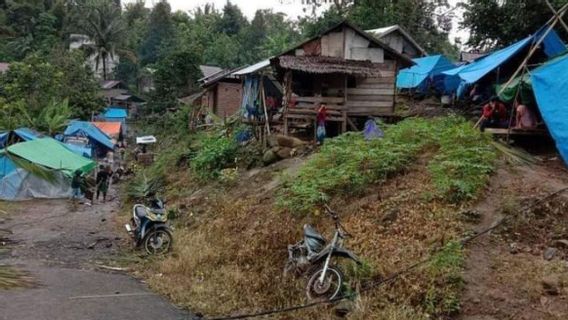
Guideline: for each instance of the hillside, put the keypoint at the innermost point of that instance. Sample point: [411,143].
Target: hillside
[411,196]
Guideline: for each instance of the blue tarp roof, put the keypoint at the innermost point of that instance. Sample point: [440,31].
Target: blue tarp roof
[80,150]
[476,70]
[25,134]
[426,68]
[6,165]
[550,86]
[112,112]
[89,130]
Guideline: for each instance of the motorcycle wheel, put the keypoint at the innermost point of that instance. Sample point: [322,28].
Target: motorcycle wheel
[158,242]
[326,290]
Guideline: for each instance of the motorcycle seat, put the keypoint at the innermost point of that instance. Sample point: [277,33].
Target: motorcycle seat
[313,239]
[140,212]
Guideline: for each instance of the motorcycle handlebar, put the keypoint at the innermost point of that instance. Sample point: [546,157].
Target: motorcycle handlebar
[331,212]
[344,233]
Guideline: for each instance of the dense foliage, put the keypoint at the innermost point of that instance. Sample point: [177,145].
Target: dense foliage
[490,21]
[347,164]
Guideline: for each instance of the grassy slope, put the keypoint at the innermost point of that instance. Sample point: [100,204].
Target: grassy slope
[403,197]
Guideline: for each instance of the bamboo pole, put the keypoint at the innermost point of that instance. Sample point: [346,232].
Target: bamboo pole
[535,46]
[513,110]
[263,93]
[551,22]
[556,14]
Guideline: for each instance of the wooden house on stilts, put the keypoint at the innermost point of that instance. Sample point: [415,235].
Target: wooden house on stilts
[345,68]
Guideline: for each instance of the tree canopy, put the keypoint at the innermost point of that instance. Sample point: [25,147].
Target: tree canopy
[168,46]
[491,22]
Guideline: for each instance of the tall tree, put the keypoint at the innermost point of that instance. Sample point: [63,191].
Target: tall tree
[490,22]
[233,20]
[101,21]
[161,31]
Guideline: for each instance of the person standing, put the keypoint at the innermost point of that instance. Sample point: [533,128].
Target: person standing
[76,183]
[320,123]
[103,178]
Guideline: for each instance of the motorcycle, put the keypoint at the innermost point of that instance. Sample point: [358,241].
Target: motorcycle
[150,227]
[313,256]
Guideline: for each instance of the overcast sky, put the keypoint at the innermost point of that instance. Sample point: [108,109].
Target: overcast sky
[291,7]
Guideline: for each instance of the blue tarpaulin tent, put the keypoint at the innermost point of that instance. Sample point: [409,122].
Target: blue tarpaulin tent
[550,86]
[90,131]
[425,73]
[478,69]
[24,134]
[115,113]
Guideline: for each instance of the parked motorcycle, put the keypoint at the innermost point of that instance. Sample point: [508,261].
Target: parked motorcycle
[313,256]
[150,227]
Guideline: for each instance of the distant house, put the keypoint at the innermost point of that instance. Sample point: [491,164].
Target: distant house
[345,68]
[116,94]
[400,40]
[222,90]
[78,41]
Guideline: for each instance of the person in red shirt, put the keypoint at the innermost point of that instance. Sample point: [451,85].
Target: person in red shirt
[494,115]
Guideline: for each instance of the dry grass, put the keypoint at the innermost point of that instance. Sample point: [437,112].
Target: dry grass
[230,258]
[11,278]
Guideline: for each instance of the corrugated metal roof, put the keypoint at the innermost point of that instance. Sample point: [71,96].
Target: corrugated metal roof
[253,68]
[382,32]
[208,71]
[110,84]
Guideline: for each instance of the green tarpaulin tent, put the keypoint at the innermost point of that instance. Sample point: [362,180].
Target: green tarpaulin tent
[510,92]
[51,154]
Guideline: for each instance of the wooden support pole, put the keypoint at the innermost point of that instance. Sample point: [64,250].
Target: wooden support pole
[551,23]
[535,46]
[263,94]
[556,15]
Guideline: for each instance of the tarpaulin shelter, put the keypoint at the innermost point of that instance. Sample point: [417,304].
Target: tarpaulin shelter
[18,135]
[18,183]
[426,74]
[522,85]
[475,71]
[97,138]
[550,85]
[112,129]
[115,114]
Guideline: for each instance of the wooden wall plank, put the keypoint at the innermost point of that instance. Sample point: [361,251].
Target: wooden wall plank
[356,104]
[357,91]
[371,98]
[376,80]
[336,100]
[386,86]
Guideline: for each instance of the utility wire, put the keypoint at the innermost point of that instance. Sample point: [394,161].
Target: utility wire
[380,282]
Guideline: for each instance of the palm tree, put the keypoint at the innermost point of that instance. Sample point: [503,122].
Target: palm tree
[101,21]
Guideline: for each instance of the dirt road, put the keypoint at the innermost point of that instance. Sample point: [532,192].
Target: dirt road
[63,250]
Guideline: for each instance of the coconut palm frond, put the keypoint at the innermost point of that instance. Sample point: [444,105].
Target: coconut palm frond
[514,155]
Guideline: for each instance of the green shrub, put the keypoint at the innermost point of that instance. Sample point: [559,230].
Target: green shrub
[464,162]
[348,163]
[214,154]
[445,270]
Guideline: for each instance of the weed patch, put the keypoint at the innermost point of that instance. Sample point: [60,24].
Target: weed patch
[346,164]
[216,153]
